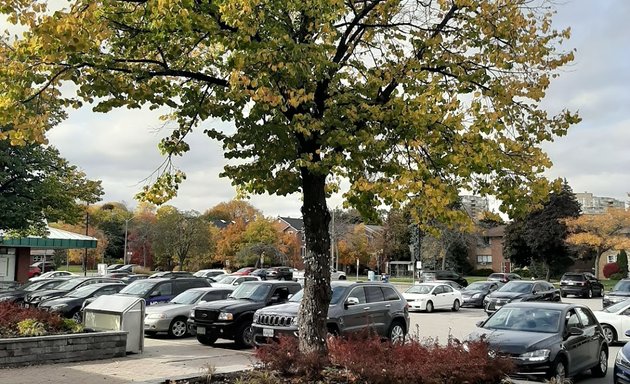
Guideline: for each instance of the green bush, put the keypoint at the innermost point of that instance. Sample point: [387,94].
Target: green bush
[524,273]
[617,276]
[18,321]
[31,327]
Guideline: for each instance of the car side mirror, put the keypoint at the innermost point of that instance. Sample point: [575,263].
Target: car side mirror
[575,331]
[434,293]
[479,323]
[627,333]
[351,301]
[534,292]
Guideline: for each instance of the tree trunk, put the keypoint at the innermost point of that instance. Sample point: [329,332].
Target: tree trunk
[547,271]
[597,257]
[314,307]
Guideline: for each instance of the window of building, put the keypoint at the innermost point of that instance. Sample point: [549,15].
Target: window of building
[484,259]
[612,258]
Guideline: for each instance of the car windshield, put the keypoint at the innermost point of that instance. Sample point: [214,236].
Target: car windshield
[227,280]
[199,274]
[478,286]
[337,293]
[187,297]
[617,307]
[83,291]
[420,288]
[254,292]
[622,286]
[138,288]
[573,277]
[525,319]
[70,284]
[516,286]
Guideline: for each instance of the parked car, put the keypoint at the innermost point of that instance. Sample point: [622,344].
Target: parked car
[615,320]
[244,271]
[557,340]
[155,291]
[443,275]
[520,290]
[40,267]
[504,277]
[430,296]
[619,293]
[473,295]
[386,313]
[581,284]
[280,273]
[234,281]
[34,298]
[622,363]
[17,295]
[53,274]
[127,268]
[453,284]
[232,318]
[170,274]
[210,273]
[118,274]
[260,272]
[70,304]
[133,277]
[113,267]
[172,317]
[334,275]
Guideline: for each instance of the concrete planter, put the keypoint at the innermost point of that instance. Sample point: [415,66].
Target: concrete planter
[22,351]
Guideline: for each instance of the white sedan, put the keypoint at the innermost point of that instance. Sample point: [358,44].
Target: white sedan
[615,321]
[53,274]
[233,281]
[430,296]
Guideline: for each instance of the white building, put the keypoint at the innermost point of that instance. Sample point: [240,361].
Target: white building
[593,205]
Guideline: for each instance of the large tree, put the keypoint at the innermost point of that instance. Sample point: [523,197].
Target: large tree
[602,233]
[540,236]
[38,186]
[409,101]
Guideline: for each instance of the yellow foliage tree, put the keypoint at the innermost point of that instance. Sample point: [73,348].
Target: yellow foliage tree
[603,232]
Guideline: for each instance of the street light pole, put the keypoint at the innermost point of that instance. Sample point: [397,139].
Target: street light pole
[126,228]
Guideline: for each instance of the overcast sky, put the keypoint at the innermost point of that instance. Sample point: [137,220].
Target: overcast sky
[120,148]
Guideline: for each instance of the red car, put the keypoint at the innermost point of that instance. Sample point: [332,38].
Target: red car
[244,271]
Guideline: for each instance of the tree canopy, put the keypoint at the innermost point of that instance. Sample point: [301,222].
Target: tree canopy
[408,101]
[38,186]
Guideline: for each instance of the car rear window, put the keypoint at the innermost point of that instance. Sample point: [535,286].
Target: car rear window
[573,277]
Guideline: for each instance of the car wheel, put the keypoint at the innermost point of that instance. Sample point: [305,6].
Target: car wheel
[281,278]
[558,370]
[76,316]
[342,277]
[601,368]
[589,293]
[563,294]
[207,339]
[178,328]
[429,307]
[455,306]
[396,333]
[609,333]
[244,336]
[150,333]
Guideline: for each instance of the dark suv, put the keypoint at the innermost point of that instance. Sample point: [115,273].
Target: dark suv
[581,284]
[353,307]
[280,273]
[444,275]
[232,318]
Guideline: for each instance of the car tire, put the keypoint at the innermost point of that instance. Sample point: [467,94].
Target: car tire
[589,294]
[601,368]
[456,306]
[281,278]
[77,316]
[397,332]
[150,333]
[178,328]
[558,370]
[342,277]
[207,339]
[609,333]
[244,335]
[563,294]
[429,307]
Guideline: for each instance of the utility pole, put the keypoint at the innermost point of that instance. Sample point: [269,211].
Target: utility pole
[87,225]
[125,251]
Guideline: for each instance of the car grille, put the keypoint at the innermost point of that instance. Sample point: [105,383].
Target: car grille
[206,315]
[275,320]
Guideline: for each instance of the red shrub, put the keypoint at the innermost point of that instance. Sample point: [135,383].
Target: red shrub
[373,361]
[610,269]
[11,314]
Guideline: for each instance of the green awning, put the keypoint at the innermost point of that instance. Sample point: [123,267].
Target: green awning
[56,239]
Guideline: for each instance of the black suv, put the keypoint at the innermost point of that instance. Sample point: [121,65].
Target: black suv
[581,284]
[444,275]
[232,318]
[353,307]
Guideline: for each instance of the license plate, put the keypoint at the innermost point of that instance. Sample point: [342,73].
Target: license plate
[267,332]
[569,283]
[201,330]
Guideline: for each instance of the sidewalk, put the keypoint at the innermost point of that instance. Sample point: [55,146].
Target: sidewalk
[162,359]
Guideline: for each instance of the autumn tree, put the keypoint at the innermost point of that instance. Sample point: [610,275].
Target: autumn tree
[38,186]
[110,219]
[396,235]
[230,242]
[408,101]
[604,232]
[233,210]
[141,234]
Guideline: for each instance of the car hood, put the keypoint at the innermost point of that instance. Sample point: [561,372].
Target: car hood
[469,293]
[506,295]
[48,293]
[219,285]
[60,300]
[169,308]
[515,342]
[416,296]
[290,308]
[236,305]
[606,317]
[619,293]
[14,293]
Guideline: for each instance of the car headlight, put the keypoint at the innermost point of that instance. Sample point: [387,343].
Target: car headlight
[5,298]
[38,298]
[191,314]
[622,359]
[476,296]
[156,316]
[534,356]
[58,307]
[294,320]
[226,316]
[256,316]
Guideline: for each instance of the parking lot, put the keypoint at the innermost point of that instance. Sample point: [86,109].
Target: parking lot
[166,358]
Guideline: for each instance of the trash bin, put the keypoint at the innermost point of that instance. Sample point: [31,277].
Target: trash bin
[371,276]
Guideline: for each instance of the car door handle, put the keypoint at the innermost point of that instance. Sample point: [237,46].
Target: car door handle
[366,308]
[388,305]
